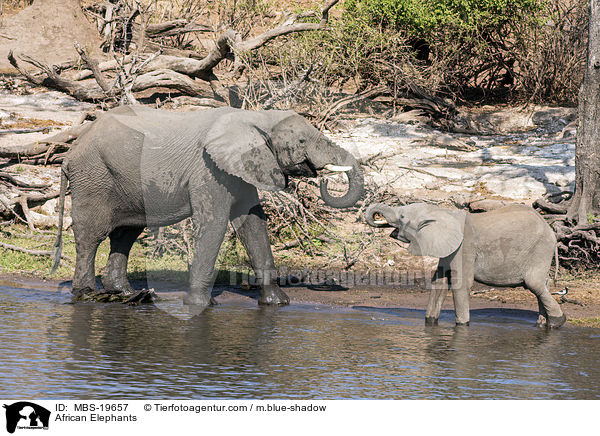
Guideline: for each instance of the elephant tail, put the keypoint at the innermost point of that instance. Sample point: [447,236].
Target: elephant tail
[61,213]
[556,263]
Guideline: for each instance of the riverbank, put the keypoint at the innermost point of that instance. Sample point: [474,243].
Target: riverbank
[520,155]
[415,296]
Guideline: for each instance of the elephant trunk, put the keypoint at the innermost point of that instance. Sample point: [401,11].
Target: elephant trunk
[387,212]
[356,187]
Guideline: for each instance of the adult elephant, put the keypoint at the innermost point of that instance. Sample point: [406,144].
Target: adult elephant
[135,167]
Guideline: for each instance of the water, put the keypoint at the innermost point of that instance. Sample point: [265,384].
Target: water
[55,350]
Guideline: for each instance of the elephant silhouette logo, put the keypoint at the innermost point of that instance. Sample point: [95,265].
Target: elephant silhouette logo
[26,415]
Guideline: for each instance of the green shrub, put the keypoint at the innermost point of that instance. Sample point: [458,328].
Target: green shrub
[473,50]
[424,18]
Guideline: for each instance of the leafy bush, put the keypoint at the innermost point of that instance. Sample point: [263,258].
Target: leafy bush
[426,18]
[465,50]
[470,37]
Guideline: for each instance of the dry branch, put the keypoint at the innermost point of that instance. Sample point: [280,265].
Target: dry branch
[549,207]
[165,78]
[102,66]
[92,64]
[19,131]
[174,28]
[58,143]
[55,81]
[173,72]
[33,252]
[367,93]
[12,179]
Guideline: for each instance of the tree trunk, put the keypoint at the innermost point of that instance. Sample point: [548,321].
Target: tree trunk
[586,199]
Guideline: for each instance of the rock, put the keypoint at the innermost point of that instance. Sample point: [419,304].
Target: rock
[554,119]
[417,162]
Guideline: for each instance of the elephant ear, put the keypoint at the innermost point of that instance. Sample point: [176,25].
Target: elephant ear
[241,149]
[439,234]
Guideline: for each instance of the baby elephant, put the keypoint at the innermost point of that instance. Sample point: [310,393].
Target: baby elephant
[510,246]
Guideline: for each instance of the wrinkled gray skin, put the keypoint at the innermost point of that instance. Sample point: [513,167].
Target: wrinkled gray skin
[510,246]
[135,167]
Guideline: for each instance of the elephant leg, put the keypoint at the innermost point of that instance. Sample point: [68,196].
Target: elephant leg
[462,265]
[542,314]
[86,245]
[209,235]
[250,224]
[115,275]
[439,289]
[553,313]
[91,225]
[460,295]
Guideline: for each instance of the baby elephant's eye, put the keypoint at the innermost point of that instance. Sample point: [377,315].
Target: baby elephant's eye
[302,140]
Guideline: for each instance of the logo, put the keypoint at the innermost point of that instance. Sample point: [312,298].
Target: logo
[26,415]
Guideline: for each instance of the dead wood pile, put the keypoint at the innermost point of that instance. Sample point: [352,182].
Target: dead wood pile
[578,243]
[140,58]
[147,50]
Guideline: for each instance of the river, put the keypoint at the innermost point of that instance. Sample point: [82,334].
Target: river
[52,349]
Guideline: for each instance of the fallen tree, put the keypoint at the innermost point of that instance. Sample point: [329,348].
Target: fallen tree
[132,72]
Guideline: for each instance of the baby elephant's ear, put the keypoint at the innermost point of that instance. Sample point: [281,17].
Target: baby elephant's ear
[439,234]
[241,149]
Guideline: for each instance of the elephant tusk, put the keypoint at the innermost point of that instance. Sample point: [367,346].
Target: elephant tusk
[337,168]
[380,222]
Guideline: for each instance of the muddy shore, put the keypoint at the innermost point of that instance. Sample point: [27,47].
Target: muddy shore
[372,296]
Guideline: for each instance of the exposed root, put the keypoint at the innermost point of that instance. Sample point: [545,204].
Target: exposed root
[578,244]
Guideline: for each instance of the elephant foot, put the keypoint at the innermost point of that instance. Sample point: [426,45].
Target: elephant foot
[463,323]
[199,301]
[541,321]
[272,295]
[122,288]
[430,320]
[555,322]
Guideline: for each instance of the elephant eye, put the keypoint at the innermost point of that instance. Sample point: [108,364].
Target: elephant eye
[302,140]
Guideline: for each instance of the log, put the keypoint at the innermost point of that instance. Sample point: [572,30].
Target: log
[19,131]
[58,142]
[54,81]
[550,207]
[174,28]
[166,78]
[163,71]
[102,66]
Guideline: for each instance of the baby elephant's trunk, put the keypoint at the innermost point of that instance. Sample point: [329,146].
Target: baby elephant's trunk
[387,212]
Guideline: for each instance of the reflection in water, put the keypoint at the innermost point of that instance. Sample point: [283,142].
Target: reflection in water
[54,350]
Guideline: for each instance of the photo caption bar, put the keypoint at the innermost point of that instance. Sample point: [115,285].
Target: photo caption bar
[272,417]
